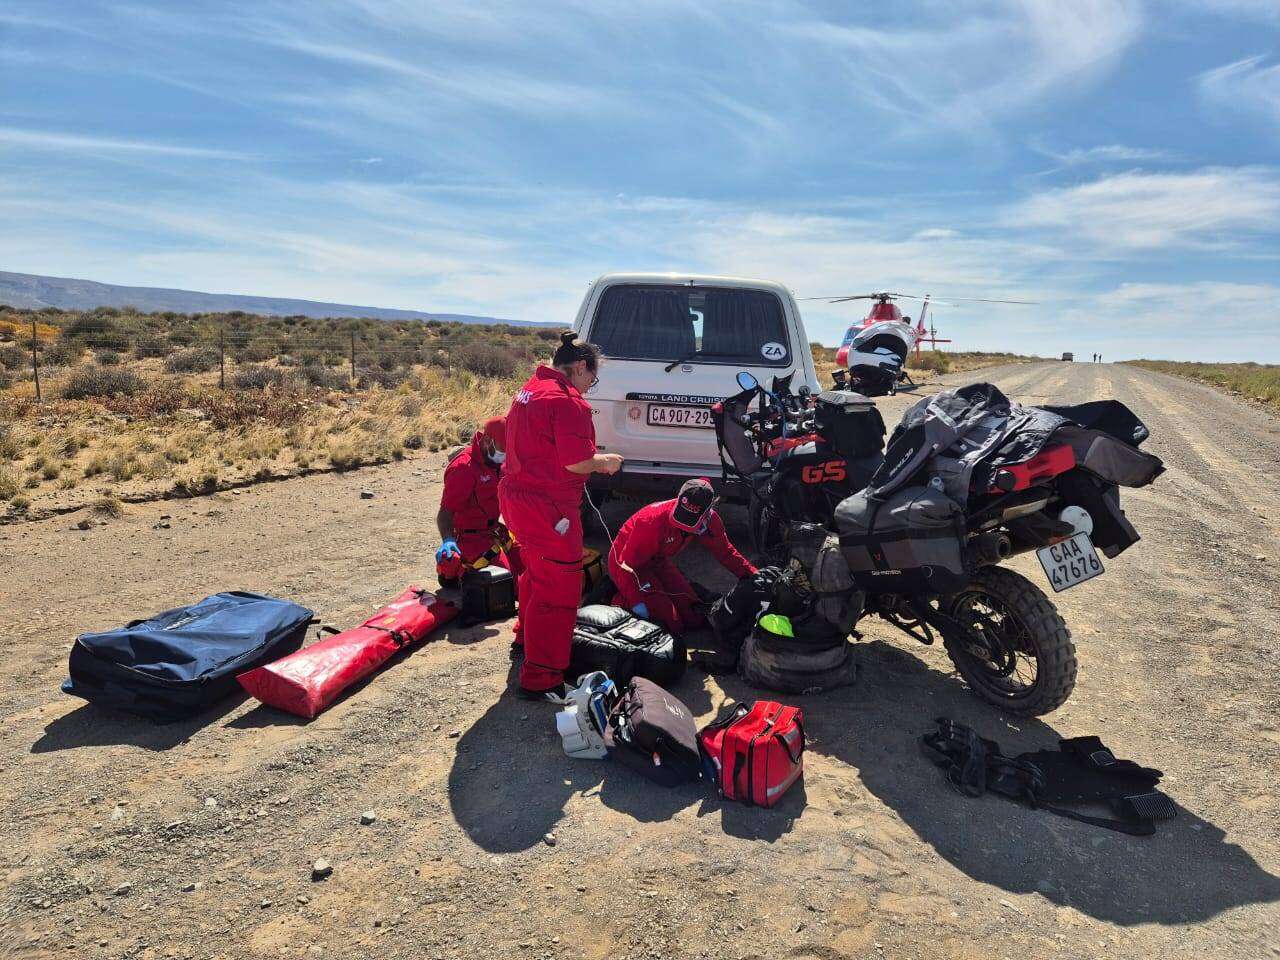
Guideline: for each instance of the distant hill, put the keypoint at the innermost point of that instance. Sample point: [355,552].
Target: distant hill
[29,291]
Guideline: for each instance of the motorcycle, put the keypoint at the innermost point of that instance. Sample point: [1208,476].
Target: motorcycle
[801,457]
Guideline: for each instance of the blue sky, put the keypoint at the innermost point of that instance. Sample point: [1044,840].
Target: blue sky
[1116,160]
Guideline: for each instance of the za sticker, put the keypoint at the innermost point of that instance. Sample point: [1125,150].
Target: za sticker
[773,351]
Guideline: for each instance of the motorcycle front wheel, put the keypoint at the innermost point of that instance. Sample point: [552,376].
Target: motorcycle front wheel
[1020,656]
[766,529]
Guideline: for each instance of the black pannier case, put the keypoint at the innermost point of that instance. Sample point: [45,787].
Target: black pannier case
[488,594]
[910,542]
[849,422]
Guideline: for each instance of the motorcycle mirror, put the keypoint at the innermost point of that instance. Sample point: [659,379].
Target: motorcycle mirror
[747,381]
[804,391]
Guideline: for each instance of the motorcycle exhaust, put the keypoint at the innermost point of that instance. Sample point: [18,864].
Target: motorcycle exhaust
[989,549]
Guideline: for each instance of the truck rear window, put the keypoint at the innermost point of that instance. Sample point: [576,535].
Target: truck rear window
[698,324]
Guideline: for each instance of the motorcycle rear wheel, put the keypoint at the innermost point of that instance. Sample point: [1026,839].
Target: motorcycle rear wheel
[1027,662]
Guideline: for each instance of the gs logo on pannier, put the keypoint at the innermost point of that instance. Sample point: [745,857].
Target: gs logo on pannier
[833,471]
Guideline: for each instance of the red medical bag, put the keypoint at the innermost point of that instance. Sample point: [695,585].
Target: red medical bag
[754,754]
[306,682]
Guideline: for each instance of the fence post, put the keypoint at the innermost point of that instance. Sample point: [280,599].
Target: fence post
[353,358]
[222,355]
[35,360]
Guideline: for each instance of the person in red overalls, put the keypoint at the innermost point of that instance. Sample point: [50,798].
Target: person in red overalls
[640,562]
[551,450]
[469,522]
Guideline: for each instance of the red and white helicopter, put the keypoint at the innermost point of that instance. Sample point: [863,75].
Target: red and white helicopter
[875,350]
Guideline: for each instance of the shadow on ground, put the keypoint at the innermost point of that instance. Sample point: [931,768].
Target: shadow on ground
[89,725]
[1186,873]
[508,790]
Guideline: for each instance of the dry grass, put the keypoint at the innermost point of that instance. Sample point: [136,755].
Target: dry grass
[931,361]
[181,434]
[1257,381]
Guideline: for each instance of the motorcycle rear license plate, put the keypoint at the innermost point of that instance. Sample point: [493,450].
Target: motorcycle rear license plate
[664,415]
[1071,562]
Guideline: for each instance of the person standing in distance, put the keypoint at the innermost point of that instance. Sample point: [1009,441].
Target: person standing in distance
[551,451]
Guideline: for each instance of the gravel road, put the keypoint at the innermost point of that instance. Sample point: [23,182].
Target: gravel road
[196,839]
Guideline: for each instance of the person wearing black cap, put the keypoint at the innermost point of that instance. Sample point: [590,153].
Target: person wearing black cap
[640,562]
[551,450]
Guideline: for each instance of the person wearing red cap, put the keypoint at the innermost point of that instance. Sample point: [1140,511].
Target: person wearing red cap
[640,562]
[469,522]
[551,450]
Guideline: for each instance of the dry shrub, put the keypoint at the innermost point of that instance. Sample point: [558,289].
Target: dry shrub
[10,445]
[195,479]
[236,409]
[934,362]
[485,359]
[123,466]
[108,505]
[10,484]
[93,381]
[157,400]
[258,377]
[20,503]
[195,360]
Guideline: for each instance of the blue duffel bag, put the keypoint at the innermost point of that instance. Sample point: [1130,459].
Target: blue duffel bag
[177,663]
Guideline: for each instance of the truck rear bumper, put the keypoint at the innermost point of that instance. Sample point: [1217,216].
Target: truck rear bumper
[652,482]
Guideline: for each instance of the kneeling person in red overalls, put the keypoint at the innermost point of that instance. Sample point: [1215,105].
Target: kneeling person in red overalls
[469,522]
[551,450]
[640,563]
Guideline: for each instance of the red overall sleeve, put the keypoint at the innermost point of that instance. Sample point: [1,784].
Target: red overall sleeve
[718,543]
[572,431]
[459,486]
[642,545]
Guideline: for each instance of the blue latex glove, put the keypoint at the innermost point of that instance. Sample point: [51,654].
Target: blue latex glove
[641,610]
[448,549]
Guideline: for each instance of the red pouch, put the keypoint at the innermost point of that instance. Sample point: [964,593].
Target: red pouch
[754,754]
[306,682]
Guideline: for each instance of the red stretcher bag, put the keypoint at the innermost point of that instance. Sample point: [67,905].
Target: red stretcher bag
[754,754]
[306,682]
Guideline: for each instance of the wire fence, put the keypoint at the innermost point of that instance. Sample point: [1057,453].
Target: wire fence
[247,358]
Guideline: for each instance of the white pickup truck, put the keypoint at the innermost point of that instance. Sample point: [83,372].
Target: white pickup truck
[673,345]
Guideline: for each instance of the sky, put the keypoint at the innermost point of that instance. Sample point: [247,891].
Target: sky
[1116,161]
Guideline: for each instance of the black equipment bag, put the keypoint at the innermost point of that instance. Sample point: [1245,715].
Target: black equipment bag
[177,663]
[653,733]
[910,542]
[624,646]
[849,422]
[1082,771]
[488,594]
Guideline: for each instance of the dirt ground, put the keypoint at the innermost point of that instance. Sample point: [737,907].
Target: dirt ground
[195,840]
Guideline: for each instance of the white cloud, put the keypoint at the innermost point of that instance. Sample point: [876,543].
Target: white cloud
[1211,207]
[1244,86]
[987,60]
[64,142]
[1109,153]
